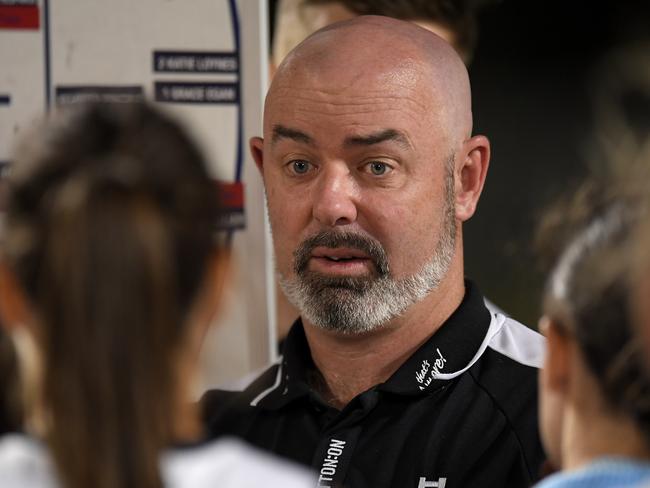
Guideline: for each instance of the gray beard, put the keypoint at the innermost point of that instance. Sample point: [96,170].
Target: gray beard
[360,305]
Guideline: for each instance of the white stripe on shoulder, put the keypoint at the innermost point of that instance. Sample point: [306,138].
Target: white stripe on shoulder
[493,308]
[240,384]
[518,342]
[511,339]
[278,379]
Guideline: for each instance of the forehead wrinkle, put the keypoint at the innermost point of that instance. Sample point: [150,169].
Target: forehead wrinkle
[299,91]
[346,106]
[314,83]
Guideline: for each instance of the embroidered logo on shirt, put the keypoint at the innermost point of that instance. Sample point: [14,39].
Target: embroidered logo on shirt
[428,371]
[440,483]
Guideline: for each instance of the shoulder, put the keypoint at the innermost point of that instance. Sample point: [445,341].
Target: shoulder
[217,405]
[244,390]
[230,463]
[515,341]
[507,374]
[602,473]
[508,368]
[24,462]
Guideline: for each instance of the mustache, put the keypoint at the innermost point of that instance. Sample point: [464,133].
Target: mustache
[352,240]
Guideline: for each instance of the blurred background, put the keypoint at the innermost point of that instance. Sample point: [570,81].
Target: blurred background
[537,78]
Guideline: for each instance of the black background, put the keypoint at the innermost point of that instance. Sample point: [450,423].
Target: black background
[533,80]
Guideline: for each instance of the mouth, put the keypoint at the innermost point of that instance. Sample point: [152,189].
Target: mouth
[340,261]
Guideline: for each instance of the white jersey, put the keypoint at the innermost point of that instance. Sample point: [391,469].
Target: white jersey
[227,463]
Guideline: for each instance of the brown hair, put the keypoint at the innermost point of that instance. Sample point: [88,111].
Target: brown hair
[588,294]
[110,223]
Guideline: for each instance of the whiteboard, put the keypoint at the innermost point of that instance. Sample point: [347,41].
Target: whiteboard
[203,61]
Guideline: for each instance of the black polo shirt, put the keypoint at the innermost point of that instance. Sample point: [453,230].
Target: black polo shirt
[460,412]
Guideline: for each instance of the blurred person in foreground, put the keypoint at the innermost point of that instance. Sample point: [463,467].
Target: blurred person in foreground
[594,391]
[396,374]
[10,420]
[622,108]
[110,275]
[453,21]
[640,273]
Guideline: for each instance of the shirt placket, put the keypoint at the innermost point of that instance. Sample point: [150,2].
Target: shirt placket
[338,441]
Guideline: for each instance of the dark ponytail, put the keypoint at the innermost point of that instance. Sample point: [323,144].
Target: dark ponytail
[109,229]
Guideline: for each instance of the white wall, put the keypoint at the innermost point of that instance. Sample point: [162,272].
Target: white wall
[95,48]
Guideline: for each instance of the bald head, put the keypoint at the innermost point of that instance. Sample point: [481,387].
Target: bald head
[367,135]
[381,54]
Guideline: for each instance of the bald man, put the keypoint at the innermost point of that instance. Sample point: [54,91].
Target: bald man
[396,375]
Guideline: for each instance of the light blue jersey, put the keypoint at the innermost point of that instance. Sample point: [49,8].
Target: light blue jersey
[610,472]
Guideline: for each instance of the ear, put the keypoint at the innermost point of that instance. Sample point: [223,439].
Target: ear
[14,309]
[256,145]
[557,364]
[470,175]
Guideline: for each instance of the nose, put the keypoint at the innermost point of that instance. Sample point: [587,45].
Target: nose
[335,199]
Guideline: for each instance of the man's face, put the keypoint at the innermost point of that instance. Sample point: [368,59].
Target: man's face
[359,181]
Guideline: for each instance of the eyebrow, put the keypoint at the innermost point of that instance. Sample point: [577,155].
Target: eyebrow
[378,137]
[282,132]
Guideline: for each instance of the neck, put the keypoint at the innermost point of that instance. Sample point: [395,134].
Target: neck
[588,436]
[186,424]
[31,381]
[352,364]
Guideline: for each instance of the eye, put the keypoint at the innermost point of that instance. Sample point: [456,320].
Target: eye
[300,166]
[378,168]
